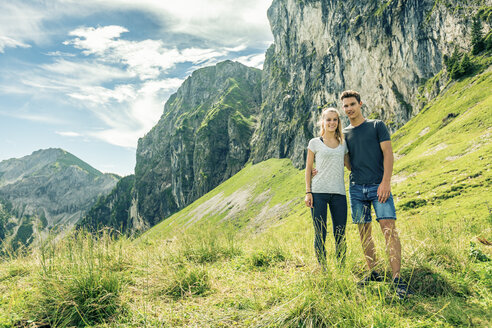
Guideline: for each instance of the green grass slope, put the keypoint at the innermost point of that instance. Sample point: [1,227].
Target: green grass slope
[444,155]
[242,255]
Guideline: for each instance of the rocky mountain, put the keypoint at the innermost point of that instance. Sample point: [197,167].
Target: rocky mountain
[384,49]
[396,53]
[202,138]
[113,210]
[48,190]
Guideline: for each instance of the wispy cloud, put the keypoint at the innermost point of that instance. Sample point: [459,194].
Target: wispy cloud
[131,121]
[99,95]
[6,42]
[255,60]
[68,77]
[68,134]
[34,117]
[60,54]
[22,20]
[147,59]
[226,22]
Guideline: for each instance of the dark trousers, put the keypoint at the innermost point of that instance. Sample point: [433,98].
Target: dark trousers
[338,211]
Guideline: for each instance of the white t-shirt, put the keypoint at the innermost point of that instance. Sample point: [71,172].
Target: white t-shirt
[329,163]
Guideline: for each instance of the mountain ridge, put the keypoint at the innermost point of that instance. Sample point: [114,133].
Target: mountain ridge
[49,189]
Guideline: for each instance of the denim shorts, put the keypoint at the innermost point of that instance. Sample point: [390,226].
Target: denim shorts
[361,199]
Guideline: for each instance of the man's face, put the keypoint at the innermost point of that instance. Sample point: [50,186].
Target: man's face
[351,107]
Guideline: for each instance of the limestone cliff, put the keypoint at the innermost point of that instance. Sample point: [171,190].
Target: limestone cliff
[383,49]
[202,138]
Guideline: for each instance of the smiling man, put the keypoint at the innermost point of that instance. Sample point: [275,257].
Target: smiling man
[371,159]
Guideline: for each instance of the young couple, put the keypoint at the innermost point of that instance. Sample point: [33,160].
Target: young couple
[365,149]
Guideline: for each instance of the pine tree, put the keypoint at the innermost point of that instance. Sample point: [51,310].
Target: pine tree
[488,41]
[465,66]
[477,39]
[453,63]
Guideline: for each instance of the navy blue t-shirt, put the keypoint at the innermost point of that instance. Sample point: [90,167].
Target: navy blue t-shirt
[366,156]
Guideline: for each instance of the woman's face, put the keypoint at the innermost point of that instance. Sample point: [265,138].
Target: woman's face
[330,121]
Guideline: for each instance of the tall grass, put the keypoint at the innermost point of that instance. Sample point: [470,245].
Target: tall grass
[272,280]
[75,282]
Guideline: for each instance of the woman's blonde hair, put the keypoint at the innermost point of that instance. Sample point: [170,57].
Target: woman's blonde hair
[338,131]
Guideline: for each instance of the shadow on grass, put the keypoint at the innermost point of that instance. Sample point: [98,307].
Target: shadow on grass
[442,300]
[429,283]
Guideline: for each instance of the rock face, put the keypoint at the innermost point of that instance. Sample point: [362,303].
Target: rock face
[112,211]
[202,138]
[49,188]
[383,49]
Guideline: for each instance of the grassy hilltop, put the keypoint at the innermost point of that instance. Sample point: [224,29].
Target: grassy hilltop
[242,255]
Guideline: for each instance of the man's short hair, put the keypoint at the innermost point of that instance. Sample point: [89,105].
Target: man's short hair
[350,93]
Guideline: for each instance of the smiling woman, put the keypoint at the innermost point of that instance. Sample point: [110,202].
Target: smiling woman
[102,70]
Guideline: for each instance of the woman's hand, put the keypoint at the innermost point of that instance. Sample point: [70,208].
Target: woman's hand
[309,200]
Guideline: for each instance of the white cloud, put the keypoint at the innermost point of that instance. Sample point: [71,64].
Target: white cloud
[67,77]
[118,137]
[21,20]
[147,58]
[68,134]
[85,72]
[152,87]
[126,125]
[226,22]
[125,128]
[60,54]
[223,21]
[34,117]
[95,40]
[6,42]
[100,95]
[255,60]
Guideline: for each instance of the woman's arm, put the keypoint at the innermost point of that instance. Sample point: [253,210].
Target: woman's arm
[309,167]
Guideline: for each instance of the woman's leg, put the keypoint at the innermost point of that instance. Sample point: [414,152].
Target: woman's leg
[338,211]
[319,213]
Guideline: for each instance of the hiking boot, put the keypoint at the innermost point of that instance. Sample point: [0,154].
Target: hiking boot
[374,276]
[402,290]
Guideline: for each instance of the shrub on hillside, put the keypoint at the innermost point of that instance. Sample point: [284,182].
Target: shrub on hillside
[80,300]
[264,258]
[206,245]
[188,282]
[76,286]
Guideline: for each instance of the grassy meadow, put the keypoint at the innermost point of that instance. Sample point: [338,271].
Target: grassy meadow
[242,255]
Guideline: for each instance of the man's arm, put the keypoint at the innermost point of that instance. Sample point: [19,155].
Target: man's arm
[346,162]
[384,188]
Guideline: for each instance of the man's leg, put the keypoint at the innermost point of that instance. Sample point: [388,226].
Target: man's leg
[365,232]
[393,246]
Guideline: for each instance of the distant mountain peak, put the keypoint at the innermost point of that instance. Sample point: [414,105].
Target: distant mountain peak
[50,185]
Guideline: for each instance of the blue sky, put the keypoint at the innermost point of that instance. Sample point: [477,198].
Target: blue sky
[92,76]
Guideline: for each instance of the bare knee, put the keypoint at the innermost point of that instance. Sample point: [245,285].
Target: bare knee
[388,228]
[365,232]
